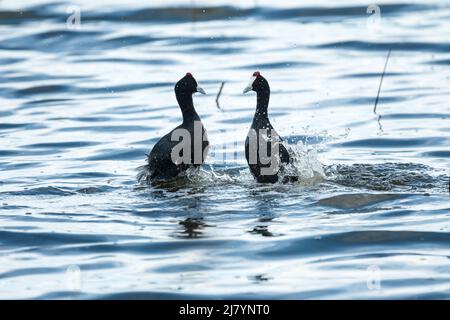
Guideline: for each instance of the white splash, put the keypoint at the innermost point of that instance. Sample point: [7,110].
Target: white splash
[306,165]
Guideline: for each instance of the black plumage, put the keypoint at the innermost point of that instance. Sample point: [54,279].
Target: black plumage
[160,162]
[261,128]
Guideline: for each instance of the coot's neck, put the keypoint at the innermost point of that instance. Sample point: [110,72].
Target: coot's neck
[187,107]
[262,104]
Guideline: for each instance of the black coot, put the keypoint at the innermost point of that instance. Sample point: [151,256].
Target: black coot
[264,149]
[176,152]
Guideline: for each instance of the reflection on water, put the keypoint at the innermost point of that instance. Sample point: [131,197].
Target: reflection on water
[191,228]
[83,104]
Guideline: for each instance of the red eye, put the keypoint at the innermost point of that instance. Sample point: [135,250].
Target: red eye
[189,74]
[256,74]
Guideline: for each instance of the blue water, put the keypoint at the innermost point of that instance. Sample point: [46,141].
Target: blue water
[81,105]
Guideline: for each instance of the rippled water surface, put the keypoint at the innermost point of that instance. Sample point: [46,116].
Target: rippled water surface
[80,106]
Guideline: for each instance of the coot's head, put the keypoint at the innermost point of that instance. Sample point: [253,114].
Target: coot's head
[188,85]
[257,83]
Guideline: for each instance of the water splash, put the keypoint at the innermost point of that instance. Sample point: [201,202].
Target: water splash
[306,165]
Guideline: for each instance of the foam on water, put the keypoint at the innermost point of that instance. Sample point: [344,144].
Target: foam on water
[306,165]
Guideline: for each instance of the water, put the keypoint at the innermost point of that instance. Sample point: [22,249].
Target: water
[82,105]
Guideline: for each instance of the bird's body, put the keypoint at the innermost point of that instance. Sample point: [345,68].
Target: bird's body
[282,158]
[172,154]
[265,151]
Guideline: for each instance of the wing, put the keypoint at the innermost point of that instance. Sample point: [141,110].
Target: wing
[285,157]
[159,162]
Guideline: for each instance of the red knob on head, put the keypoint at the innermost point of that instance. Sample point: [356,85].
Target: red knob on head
[256,74]
[189,74]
